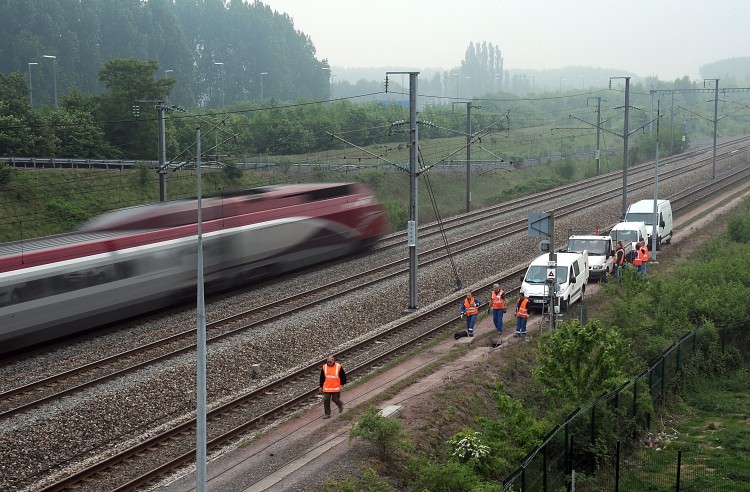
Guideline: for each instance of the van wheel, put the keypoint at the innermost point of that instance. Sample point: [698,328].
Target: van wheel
[563,305]
[669,241]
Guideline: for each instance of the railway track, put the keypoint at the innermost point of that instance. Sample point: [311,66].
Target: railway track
[360,357]
[21,398]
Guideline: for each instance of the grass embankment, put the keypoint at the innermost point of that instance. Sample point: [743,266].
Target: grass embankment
[42,202]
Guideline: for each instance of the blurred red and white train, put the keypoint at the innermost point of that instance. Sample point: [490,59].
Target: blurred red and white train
[135,260]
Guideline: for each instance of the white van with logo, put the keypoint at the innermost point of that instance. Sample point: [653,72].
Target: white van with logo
[643,211]
[570,276]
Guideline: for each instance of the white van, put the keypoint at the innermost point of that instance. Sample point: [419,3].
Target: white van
[570,277]
[629,233]
[601,250]
[643,211]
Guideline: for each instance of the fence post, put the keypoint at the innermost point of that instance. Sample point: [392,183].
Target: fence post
[593,423]
[663,363]
[544,470]
[617,467]
[679,465]
[635,407]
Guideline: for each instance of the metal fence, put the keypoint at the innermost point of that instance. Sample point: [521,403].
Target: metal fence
[606,445]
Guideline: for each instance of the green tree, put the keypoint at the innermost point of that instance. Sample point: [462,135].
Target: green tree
[577,362]
[132,83]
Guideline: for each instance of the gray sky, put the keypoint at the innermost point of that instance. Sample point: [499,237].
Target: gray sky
[665,38]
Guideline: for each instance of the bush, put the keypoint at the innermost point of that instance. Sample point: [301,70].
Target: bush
[445,477]
[384,433]
[6,174]
[739,227]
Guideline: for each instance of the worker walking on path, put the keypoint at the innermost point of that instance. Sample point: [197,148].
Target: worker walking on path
[470,310]
[522,314]
[498,307]
[332,379]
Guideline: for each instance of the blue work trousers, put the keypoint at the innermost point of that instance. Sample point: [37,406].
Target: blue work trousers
[521,325]
[470,320]
[497,319]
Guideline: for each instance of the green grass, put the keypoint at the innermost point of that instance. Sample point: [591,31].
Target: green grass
[711,429]
[51,201]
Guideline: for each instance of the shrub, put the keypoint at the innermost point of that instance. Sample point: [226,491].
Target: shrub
[739,227]
[384,433]
[6,174]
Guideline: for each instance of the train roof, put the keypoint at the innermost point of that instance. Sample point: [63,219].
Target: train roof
[182,212]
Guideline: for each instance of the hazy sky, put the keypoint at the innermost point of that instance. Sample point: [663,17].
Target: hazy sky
[666,38]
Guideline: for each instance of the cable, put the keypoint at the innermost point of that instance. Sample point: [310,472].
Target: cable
[439,220]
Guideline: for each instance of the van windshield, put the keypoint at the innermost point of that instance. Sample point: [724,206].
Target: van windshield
[647,218]
[537,274]
[629,236]
[593,246]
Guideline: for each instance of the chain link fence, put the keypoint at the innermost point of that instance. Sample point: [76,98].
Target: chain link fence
[606,445]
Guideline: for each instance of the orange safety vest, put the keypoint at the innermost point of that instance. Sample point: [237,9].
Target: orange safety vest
[521,310]
[469,308]
[637,260]
[332,383]
[498,302]
[644,254]
[619,256]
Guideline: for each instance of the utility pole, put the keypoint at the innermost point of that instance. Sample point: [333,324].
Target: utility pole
[598,129]
[413,209]
[468,157]
[201,446]
[411,230]
[671,128]
[655,219]
[625,144]
[162,146]
[716,120]
[162,151]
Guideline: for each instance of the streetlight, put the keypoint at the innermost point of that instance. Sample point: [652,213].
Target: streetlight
[54,61]
[330,81]
[167,72]
[223,83]
[261,84]
[31,98]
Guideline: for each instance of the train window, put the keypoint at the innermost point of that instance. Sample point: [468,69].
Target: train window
[30,290]
[327,193]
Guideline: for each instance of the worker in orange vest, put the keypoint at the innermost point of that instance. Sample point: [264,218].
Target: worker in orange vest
[498,307]
[469,310]
[637,258]
[643,250]
[332,380]
[522,314]
[619,260]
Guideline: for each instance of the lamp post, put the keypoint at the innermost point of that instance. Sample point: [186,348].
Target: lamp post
[31,90]
[167,72]
[330,82]
[261,84]
[54,73]
[223,85]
